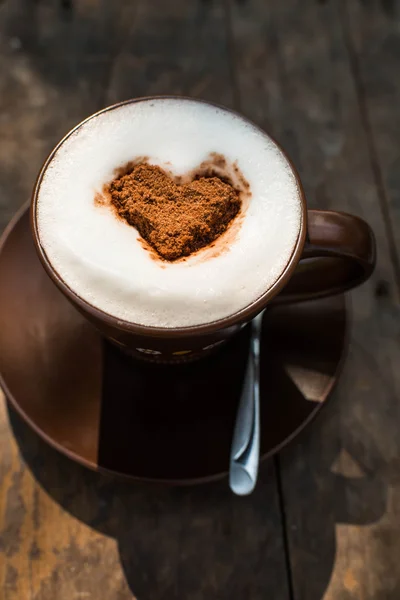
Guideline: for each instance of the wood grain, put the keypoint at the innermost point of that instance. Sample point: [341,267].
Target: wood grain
[67,533]
[175,48]
[373,39]
[340,482]
[47,552]
[55,65]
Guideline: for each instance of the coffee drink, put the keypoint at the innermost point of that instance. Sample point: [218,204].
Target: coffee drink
[223,259]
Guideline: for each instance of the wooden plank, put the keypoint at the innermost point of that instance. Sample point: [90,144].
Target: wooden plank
[65,532]
[340,482]
[55,64]
[68,533]
[176,48]
[373,40]
[48,549]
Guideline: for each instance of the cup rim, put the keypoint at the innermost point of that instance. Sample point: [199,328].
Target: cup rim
[241,316]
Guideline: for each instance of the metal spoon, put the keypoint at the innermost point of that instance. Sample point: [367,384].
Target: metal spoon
[245,450]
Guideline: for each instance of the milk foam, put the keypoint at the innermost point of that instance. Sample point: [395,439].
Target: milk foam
[101,258]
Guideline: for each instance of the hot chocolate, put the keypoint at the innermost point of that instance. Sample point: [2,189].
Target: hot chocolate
[208,261]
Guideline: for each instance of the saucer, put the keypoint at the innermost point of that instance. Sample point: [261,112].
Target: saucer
[153,422]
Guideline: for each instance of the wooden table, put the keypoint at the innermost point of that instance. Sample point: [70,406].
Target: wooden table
[324,522]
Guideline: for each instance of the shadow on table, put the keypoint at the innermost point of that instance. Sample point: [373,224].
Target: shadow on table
[340,475]
[174,543]
[204,542]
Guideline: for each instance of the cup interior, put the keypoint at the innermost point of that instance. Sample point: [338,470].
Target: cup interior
[97,313]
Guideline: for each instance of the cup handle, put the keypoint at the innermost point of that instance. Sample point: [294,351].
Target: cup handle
[339,254]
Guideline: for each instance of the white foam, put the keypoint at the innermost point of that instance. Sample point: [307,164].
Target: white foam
[100,257]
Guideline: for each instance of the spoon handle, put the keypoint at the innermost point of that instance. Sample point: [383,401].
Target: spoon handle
[245,450]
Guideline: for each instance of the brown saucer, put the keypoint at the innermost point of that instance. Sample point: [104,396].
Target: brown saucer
[161,423]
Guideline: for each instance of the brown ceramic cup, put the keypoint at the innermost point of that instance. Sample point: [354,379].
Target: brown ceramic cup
[334,252]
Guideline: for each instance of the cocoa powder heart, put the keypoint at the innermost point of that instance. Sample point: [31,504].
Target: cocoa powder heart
[175,219]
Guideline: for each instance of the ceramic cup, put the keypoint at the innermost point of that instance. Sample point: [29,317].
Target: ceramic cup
[334,252]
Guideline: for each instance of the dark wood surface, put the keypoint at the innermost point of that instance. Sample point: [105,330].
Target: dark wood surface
[324,521]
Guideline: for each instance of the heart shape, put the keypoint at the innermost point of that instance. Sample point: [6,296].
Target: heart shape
[175,219]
